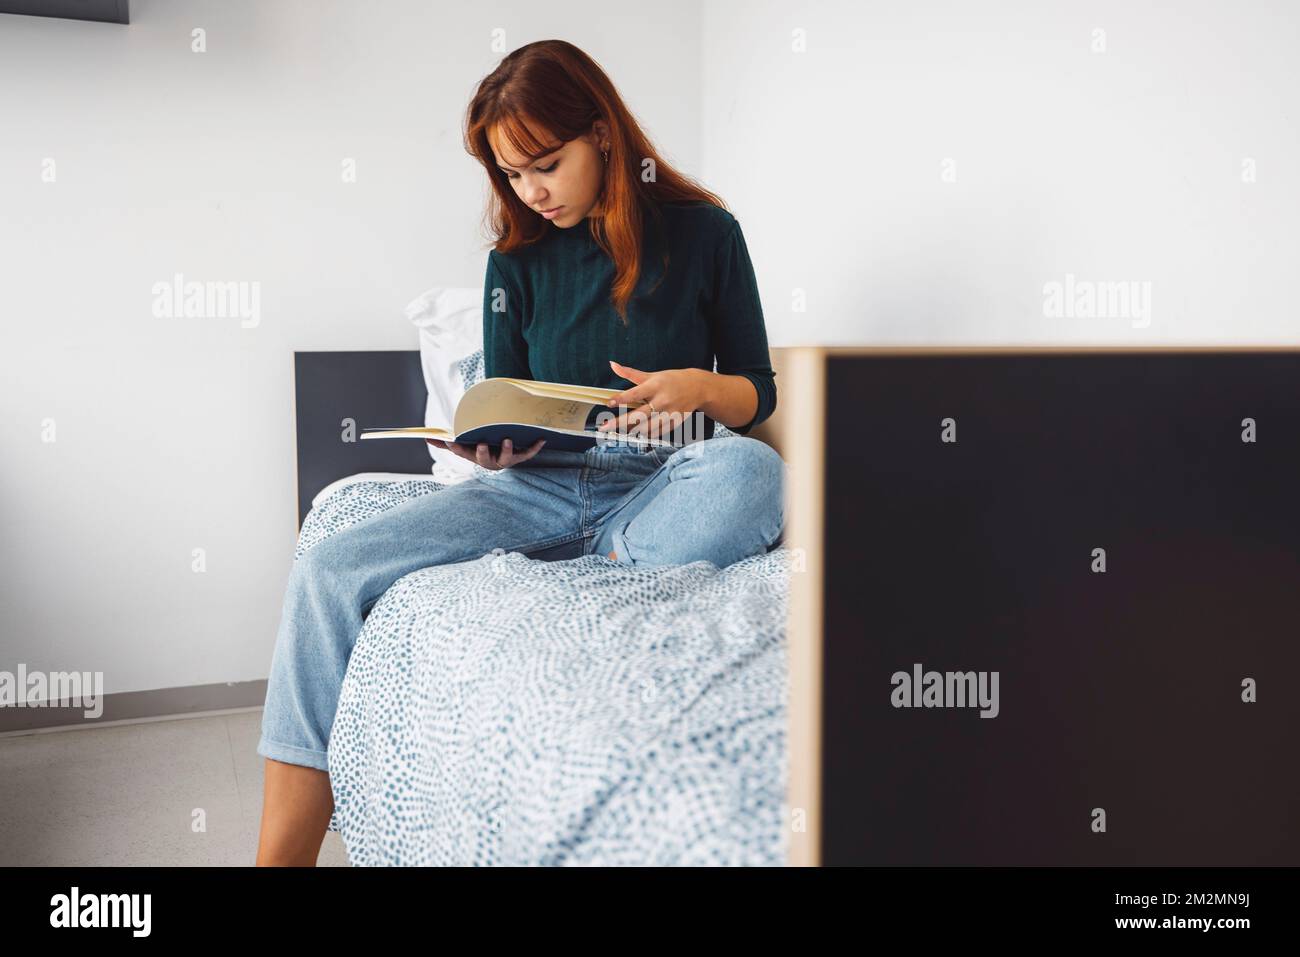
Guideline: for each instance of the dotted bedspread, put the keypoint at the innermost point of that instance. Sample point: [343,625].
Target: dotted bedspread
[511,711]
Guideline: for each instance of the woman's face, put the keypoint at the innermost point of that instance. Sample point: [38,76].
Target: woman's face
[569,177]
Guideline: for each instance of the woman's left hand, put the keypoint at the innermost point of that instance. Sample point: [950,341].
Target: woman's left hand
[671,391]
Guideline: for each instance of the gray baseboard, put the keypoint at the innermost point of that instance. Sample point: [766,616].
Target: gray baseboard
[128,705]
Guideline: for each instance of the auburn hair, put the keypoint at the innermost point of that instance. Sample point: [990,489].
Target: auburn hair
[556,86]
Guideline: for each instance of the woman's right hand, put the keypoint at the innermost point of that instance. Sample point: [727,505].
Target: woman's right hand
[482,455]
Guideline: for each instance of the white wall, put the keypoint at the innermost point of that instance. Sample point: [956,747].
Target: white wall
[176,434]
[1123,165]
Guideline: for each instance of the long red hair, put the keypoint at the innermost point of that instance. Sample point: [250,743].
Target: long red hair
[553,84]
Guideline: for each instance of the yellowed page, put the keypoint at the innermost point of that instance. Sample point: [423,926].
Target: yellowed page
[502,400]
[419,431]
[581,393]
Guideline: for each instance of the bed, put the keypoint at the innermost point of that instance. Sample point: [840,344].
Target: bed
[555,711]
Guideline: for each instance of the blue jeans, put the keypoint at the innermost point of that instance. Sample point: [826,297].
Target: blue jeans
[719,500]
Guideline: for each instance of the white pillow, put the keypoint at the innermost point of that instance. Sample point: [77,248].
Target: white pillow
[450,320]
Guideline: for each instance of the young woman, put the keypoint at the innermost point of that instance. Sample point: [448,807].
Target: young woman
[610,267]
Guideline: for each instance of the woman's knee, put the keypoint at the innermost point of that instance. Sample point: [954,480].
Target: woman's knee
[327,564]
[742,458]
[746,480]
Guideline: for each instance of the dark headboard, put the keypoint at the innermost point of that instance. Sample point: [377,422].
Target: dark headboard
[103,11]
[374,389]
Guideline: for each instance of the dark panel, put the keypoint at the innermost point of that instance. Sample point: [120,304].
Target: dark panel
[375,389]
[104,11]
[1119,690]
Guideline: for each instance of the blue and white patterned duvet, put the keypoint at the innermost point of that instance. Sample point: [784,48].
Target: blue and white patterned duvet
[520,712]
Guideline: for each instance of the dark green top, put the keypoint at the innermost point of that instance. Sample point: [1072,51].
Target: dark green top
[559,325]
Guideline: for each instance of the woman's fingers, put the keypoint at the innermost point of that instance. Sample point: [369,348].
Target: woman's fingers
[628,423]
[639,421]
[529,452]
[472,453]
[636,422]
[481,454]
[510,457]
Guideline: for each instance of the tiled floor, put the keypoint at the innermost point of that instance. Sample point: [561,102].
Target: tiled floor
[178,792]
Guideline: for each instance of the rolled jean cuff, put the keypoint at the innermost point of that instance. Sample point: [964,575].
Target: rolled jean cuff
[288,754]
[620,545]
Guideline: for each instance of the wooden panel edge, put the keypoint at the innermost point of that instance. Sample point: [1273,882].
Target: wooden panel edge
[293,425]
[805,505]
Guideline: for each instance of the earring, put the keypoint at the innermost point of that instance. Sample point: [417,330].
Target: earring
[604,155]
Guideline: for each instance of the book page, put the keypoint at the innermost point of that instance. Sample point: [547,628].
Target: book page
[580,393]
[558,390]
[500,400]
[417,431]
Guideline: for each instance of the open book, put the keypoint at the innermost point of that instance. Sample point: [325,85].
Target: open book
[524,411]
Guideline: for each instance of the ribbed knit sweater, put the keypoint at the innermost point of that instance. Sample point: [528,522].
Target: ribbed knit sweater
[558,324]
